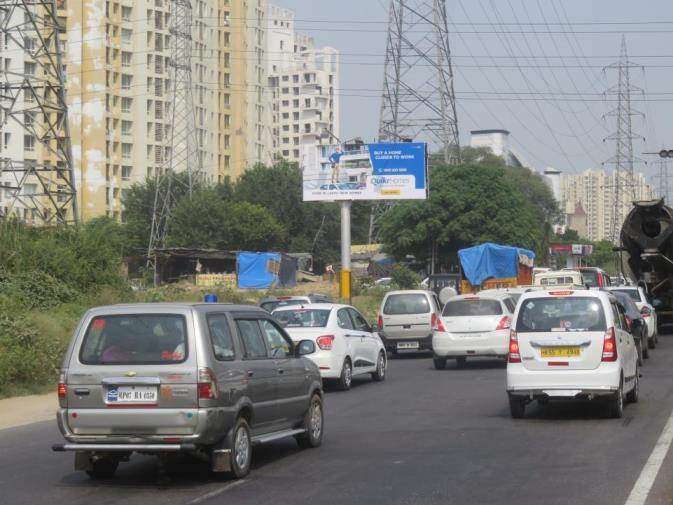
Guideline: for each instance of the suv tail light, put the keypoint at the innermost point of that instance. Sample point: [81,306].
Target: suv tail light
[438,324]
[380,322]
[325,342]
[514,353]
[646,312]
[609,346]
[207,384]
[504,324]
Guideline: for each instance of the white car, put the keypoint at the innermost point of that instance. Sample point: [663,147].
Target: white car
[346,346]
[473,325]
[571,344]
[646,309]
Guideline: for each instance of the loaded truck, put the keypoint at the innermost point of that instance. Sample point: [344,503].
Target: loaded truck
[647,254]
[493,266]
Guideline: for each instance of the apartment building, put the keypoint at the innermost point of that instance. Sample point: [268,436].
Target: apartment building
[304,83]
[590,196]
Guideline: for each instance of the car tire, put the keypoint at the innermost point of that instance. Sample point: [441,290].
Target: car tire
[345,380]
[651,343]
[314,423]
[639,348]
[615,404]
[240,444]
[632,396]
[517,406]
[460,361]
[103,468]
[381,364]
[646,349]
[440,363]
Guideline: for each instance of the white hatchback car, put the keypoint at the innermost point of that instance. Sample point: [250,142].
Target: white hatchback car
[473,325]
[646,309]
[571,344]
[346,346]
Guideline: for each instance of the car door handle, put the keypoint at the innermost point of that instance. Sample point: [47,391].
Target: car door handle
[81,392]
[250,373]
[281,371]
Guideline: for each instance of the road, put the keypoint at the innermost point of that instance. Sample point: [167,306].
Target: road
[421,437]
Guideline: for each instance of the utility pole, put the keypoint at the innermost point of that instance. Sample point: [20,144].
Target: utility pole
[418,101]
[623,160]
[32,95]
[184,156]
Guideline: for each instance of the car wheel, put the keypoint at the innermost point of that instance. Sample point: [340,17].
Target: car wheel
[460,361]
[645,347]
[651,343]
[380,373]
[517,406]
[440,363]
[615,404]
[632,396]
[639,348]
[103,468]
[346,378]
[313,424]
[241,449]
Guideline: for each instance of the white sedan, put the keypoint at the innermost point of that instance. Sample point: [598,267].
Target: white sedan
[346,346]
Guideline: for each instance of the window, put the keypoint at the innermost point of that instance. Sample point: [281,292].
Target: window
[562,314]
[127,126]
[220,337]
[126,59]
[135,339]
[126,172]
[126,81]
[302,318]
[359,322]
[126,35]
[343,320]
[126,104]
[407,304]
[126,151]
[29,142]
[126,13]
[278,346]
[29,68]
[475,307]
[251,336]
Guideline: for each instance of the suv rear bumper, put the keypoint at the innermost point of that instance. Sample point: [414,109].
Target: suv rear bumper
[493,343]
[424,342]
[603,380]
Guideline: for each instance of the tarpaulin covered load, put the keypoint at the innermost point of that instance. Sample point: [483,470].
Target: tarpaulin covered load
[266,270]
[493,261]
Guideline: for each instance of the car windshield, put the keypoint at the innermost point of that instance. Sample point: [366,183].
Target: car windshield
[476,307]
[411,303]
[269,306]
[302,318]
[561,314]
[590,278]
[633,293]
[135,339]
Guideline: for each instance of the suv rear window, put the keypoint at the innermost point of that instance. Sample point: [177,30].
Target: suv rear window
[457,308]
[302,318]
[561,314]
[556,281]
[134,339]
[633,293]
[412,303]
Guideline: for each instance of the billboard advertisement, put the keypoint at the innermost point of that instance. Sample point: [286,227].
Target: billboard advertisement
[365,172]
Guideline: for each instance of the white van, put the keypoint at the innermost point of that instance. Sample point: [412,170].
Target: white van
[558,278]
[406,319]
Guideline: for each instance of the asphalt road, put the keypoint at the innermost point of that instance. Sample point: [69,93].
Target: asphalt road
[421,437]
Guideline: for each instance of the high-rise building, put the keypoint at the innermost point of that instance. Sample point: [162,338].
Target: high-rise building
[593,193]
[304,83]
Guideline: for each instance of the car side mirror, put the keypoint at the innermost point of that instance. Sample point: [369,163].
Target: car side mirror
[374,326]
[304,347]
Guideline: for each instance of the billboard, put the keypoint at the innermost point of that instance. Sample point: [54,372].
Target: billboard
[365,172]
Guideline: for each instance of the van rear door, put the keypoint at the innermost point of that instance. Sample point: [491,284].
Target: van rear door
[134,374]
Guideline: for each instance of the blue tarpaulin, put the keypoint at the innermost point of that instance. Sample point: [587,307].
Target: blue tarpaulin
[265,270]
[492,261]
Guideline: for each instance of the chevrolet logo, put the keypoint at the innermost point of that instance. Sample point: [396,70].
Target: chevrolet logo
[130,374]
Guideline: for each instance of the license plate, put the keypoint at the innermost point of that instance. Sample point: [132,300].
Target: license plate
[407,345]
[132,394]
[560,352]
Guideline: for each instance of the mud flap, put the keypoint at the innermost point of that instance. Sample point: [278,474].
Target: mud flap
[83,461]
[220,460]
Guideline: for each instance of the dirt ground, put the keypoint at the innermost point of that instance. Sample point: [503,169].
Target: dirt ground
[24,410]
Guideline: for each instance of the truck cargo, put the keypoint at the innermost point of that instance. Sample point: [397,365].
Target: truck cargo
[492,266]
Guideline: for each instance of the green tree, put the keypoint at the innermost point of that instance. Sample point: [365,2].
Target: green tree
[603,257]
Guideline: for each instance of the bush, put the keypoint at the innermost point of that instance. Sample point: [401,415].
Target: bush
[38,289]
[404,278]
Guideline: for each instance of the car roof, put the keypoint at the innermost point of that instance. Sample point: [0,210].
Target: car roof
[488,296]
[152,308]
[572,293]
[409,292]
[323,306]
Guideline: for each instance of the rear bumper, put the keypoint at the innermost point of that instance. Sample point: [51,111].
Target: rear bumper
[424,342]
[328,363]
[154,448]
[496,343]
[601,381]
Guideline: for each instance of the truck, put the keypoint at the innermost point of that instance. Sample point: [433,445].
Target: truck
[494,266]
[646,252]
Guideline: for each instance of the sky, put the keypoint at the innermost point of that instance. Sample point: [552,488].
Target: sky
[552,104]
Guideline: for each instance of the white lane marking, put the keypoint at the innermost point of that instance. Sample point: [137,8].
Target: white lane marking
[641,489]
[215,493]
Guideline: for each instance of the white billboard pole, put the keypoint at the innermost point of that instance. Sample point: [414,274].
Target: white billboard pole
[346,250]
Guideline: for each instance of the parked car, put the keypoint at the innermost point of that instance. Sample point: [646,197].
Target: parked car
[346,344]
[210,380]
[271,303]
[595,277]
[636,323]
[571,344]
[473,326]
[646,309]
[406,319]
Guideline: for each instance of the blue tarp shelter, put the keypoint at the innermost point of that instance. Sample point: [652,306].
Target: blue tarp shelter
[492,261]
[265,270]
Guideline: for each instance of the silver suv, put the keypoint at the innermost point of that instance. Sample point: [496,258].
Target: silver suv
[210,380]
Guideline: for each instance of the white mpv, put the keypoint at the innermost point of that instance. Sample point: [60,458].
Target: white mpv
[571,344]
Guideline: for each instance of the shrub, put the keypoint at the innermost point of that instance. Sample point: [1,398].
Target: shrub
[404,278]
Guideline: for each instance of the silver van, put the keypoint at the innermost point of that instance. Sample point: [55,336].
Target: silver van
[406,319]
[205,379]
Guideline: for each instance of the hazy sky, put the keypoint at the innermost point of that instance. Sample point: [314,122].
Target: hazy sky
[567,134]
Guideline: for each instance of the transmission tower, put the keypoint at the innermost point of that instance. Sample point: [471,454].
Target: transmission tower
[33,97]
[623,160]
[663,177]
[184,157]
[418,98]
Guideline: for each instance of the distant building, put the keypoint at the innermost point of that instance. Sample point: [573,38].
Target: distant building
[498,142]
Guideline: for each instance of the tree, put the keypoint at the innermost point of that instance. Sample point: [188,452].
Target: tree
[603,257]
[468,205]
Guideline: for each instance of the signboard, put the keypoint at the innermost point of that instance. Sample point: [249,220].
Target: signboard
[366,172]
